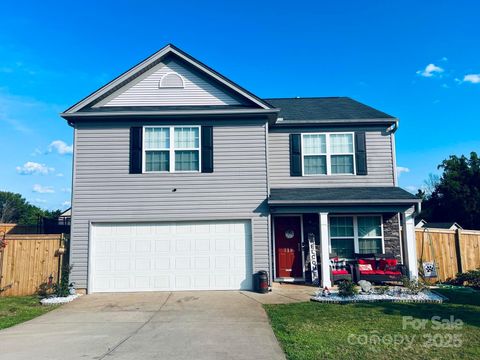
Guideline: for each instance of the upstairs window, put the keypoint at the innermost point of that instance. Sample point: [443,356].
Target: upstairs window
[328,154]
[171,149]
[314,154]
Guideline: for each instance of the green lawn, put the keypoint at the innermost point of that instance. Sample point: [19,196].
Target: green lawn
[17,309]
[333,331]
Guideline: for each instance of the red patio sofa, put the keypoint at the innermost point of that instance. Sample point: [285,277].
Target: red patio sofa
[378,268]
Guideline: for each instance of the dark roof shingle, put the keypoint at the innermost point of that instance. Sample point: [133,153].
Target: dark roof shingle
[379,194]
[324,108]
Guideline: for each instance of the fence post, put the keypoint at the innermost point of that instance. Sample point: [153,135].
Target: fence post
[2,251]
[458,250]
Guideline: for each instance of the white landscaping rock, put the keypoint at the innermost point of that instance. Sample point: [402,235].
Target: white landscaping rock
[391,296]
[58,300]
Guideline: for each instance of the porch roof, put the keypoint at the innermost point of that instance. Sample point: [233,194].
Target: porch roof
[342,196]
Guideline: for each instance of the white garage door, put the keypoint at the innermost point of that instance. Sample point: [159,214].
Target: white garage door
[171,256]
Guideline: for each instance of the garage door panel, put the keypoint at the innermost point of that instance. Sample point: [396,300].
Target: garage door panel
[121,263]
[162,263]
[162,245]
[171,256]
[143,246]
[121,246]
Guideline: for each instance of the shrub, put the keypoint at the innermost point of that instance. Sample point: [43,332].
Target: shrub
[470,278]
[61,289]
[347,288]
[413,286]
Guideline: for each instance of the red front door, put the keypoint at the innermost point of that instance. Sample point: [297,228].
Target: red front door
[288,240]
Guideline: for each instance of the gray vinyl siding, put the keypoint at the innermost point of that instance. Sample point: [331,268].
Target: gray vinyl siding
[379,160]
[145,91]
[104,191]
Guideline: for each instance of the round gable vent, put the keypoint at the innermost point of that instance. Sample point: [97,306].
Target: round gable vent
[171,80]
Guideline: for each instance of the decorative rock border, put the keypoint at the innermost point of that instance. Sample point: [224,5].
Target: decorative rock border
[422,297]
[58,300]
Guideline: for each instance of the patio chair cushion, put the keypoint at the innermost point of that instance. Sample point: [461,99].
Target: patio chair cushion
[340,272]
[387,264]
[338,264]
[388,272]
[372,262]
[365,267]
[368,272]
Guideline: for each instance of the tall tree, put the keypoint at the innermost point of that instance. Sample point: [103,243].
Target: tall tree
[456,195]
[15,209]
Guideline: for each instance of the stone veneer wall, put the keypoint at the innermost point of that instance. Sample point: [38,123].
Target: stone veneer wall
[391,234]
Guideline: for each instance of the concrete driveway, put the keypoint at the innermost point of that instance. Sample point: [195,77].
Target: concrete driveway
[179,325]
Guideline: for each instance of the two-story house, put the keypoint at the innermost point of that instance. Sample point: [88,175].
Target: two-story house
[183,180]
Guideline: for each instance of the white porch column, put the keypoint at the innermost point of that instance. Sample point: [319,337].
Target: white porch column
[324,250]
[408,225]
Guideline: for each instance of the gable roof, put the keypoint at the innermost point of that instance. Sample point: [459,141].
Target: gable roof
[134,72]
[325,109]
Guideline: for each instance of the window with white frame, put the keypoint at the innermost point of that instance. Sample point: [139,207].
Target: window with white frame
[328,154]
[171,148]
[355,234]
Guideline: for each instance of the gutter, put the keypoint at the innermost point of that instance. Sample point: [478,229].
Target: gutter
[173,113]
[392,129]
[380,121]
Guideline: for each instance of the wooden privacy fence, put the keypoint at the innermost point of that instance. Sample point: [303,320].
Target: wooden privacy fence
[27,261]
[453,251]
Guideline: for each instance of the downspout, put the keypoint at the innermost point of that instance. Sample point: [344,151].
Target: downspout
[391,130]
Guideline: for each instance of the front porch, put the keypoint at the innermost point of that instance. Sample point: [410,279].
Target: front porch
[305,226]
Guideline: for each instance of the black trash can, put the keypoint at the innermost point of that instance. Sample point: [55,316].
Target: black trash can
[260,282]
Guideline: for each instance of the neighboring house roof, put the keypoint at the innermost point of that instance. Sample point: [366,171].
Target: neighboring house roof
[339,196]
[323,109]
[442,225]
[419,223]
[66,213]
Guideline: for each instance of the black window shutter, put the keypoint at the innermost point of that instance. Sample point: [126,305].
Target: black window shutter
[295,155]
[136,150]
[207,149]
[361,153]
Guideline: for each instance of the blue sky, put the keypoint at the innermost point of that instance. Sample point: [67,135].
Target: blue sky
[417,60]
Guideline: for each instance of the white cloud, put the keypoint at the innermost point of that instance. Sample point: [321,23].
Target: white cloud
[60,147]
[472,78]
[33,168]
[445,86]
[43,189]
[402,169]
[40,201]
[60,174]
[444,58]
[66,190]
[430,70]
[66,203]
